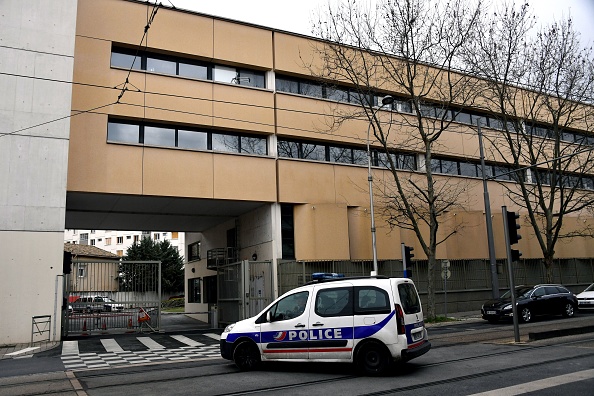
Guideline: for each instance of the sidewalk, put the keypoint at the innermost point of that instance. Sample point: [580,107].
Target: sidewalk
[20,351]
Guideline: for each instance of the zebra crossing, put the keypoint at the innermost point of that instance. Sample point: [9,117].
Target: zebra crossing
[129,350]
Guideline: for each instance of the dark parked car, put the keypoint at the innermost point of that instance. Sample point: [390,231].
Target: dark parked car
[532,301]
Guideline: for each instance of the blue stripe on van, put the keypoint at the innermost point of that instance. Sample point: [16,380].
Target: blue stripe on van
[335,333]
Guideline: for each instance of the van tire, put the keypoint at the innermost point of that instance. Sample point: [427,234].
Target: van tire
[373,358]
[246,355]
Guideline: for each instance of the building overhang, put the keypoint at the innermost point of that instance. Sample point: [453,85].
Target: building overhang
[151,213]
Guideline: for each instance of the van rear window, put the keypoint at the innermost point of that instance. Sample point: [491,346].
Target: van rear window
[409,298]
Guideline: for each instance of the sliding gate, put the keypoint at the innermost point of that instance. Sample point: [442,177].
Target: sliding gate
[112,296]
[244,289]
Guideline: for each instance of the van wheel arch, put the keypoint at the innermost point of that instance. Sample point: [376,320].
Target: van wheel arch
[372,357]
[246,354]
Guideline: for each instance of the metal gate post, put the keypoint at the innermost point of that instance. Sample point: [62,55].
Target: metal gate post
[245,288]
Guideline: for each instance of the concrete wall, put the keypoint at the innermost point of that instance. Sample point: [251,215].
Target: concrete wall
[36,43]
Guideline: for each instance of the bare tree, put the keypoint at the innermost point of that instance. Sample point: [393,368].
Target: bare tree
[541,86]
[409,49]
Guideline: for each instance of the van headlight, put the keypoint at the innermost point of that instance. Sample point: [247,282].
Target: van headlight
[229,328]
[505,308]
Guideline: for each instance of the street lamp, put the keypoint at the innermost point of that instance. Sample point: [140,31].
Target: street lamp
[386,100]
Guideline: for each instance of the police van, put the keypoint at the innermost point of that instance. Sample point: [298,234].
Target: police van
[371,321]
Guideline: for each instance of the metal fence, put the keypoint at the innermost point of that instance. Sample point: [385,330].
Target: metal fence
[468,286]
[244,289]
[103,296]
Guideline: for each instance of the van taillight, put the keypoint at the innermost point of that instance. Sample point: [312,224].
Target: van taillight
[400,319]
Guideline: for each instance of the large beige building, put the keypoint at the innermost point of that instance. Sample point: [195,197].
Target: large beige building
[215,128]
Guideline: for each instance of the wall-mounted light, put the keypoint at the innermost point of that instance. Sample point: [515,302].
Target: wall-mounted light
[254,256]
[193,269]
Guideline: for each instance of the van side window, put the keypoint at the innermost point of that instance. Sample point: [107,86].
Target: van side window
[334,302]
[409,298]
[371,300]
[289,307]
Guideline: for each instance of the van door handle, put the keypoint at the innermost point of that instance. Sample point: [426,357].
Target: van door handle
[318,324]
[299,325]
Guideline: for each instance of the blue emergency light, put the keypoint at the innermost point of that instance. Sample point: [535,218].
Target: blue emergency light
[325,275]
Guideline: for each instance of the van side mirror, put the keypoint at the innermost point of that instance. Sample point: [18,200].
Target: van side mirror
[268,317]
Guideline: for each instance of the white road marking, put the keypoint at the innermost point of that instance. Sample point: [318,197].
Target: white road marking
[540,384]
[213,336]
[111,345]
[188,341]
[70,348]
[150,343]
[22,351]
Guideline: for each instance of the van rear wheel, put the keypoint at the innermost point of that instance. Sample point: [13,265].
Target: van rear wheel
[246,356]
[373,359]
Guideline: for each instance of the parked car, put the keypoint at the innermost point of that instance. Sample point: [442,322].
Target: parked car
[532,301]
[96,304]
[586,298]
[111,305]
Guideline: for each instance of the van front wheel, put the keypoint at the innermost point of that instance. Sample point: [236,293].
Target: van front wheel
[373,358]
[246,356]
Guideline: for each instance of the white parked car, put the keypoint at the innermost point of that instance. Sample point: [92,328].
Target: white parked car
[97,304]
[586,298]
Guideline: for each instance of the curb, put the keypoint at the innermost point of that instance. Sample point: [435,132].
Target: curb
[543,335]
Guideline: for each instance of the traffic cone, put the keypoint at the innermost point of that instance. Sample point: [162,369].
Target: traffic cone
[130,330]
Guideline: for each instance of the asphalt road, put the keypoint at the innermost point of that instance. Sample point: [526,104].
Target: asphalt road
[467,358]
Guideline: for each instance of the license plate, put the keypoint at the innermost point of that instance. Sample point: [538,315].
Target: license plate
[417,336]
[491,313]
[584,302]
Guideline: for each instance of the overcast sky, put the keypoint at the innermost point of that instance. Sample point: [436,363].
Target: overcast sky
[295,16]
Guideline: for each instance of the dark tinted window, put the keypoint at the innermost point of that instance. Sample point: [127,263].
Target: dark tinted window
[369,299]
[288,149]
[409,298]
[335,302]
[287,85]
[253,145]
[539,292]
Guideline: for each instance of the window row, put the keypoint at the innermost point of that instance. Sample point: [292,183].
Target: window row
[504,172]
[343,154]
[563,180]
[567,136]
[154,135]
[463,168]
[403,105]
[157,63]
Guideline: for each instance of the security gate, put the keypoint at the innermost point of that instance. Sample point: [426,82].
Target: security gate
[107,296]
[244,289]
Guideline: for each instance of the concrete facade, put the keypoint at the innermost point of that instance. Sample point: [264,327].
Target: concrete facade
[36,66]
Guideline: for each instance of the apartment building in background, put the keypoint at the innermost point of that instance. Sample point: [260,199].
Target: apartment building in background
[117,242]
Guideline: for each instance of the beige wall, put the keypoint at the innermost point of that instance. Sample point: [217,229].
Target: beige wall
[332,201]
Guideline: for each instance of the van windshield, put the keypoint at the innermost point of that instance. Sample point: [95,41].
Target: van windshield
[409,298]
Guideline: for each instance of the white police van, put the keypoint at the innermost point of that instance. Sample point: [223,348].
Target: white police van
[372,321]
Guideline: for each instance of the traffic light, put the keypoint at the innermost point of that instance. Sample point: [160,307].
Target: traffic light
[512,227]
[407,260]
[512,231]
[515,255]
[408,255]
